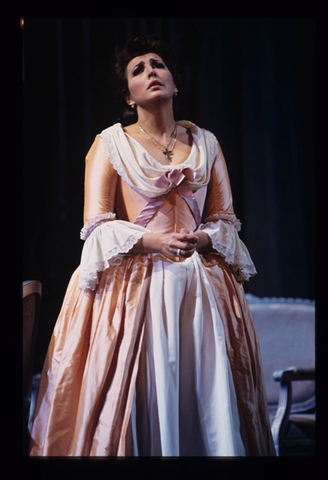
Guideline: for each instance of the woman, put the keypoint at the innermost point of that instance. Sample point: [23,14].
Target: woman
[154,351]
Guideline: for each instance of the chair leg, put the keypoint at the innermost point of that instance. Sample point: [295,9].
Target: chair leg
[281,418]
[26,433]
[35,389]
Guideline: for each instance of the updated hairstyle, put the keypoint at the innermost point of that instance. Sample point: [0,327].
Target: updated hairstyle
[140,46]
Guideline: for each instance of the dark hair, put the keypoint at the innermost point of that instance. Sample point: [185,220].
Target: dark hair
[140,46]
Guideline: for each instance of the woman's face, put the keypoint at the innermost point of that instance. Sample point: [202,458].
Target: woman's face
[149,79]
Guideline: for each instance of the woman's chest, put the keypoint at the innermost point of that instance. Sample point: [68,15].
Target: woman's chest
[174,152]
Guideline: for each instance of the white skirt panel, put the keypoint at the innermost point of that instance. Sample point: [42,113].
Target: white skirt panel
[185,402]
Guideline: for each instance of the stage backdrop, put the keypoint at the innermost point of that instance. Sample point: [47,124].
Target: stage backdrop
[251,82]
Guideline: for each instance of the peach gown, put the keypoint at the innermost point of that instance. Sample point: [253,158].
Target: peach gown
[153,355]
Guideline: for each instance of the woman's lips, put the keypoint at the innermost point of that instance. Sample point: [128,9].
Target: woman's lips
[155,83]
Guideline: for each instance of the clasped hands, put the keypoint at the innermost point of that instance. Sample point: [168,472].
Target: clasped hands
[177,244]
[184,244]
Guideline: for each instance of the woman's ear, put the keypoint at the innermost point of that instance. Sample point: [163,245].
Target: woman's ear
[129,101]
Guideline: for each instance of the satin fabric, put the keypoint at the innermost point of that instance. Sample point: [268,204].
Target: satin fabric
[181,179]
[185,403]
[161,356]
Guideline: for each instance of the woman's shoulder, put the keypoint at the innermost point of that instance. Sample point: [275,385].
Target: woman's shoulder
[195,129]
[111,129]
[203,137]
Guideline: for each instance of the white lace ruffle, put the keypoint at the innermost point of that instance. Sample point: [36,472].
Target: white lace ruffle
[123,159]
[226,242]
[105,247]
[108,135]
[226,217]
[88,226]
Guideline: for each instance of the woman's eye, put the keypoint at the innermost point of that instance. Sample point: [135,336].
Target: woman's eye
[140,68]
[137,70]
[158,65]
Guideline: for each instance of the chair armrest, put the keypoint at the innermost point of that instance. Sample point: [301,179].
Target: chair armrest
[286,377]
[294,374]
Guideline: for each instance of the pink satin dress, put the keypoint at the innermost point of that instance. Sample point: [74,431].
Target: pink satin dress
[160,357]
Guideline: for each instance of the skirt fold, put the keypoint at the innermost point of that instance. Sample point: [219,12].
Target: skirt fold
[162,359]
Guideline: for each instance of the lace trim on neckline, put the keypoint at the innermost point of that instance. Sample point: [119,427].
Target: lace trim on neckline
[118,166]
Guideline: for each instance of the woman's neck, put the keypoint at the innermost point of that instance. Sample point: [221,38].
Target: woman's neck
[160,122]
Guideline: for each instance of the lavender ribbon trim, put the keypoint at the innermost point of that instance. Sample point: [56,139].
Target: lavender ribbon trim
[149,210]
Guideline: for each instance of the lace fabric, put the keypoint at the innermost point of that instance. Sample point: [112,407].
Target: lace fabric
[105,246]
[226,241]
[94,223]
[89,276]
[225,217]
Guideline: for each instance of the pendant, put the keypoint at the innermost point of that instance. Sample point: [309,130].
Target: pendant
[167,153]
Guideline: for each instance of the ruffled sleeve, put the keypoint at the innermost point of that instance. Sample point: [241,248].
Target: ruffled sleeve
[105,246]
[106,238]
[222,225]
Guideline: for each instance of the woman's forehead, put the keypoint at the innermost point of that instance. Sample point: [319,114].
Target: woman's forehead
[147,57]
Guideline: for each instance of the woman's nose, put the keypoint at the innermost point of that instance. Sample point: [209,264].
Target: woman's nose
[152,72]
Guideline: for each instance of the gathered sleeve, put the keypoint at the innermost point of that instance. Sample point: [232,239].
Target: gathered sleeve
[222,225]
[99,183]
[106,238]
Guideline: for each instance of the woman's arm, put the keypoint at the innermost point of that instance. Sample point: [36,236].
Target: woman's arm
[219,197]
[221,224]
[100,182]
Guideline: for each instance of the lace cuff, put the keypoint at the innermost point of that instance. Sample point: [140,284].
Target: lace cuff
[226,242]
[225,217]
[106,246]
[94,222]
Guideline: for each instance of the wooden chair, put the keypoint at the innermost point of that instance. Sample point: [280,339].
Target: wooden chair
[31,300]
[286,329]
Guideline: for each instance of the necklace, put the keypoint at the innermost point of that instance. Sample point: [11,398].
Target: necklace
[166,152]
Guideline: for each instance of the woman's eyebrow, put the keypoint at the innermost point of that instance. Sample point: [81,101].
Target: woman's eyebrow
[137,65]
[151,60]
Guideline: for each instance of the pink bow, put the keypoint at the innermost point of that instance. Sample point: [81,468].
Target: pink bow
[175,176]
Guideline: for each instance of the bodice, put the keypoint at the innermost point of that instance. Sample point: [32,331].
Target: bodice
[171,216]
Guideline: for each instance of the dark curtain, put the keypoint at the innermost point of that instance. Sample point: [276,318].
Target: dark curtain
[249,81]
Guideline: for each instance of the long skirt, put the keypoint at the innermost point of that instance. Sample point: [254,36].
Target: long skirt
[162,359]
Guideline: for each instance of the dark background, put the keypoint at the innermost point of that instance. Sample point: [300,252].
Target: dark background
[249,81]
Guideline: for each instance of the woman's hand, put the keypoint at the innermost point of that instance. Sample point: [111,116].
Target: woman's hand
[182,244]
[204,242]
